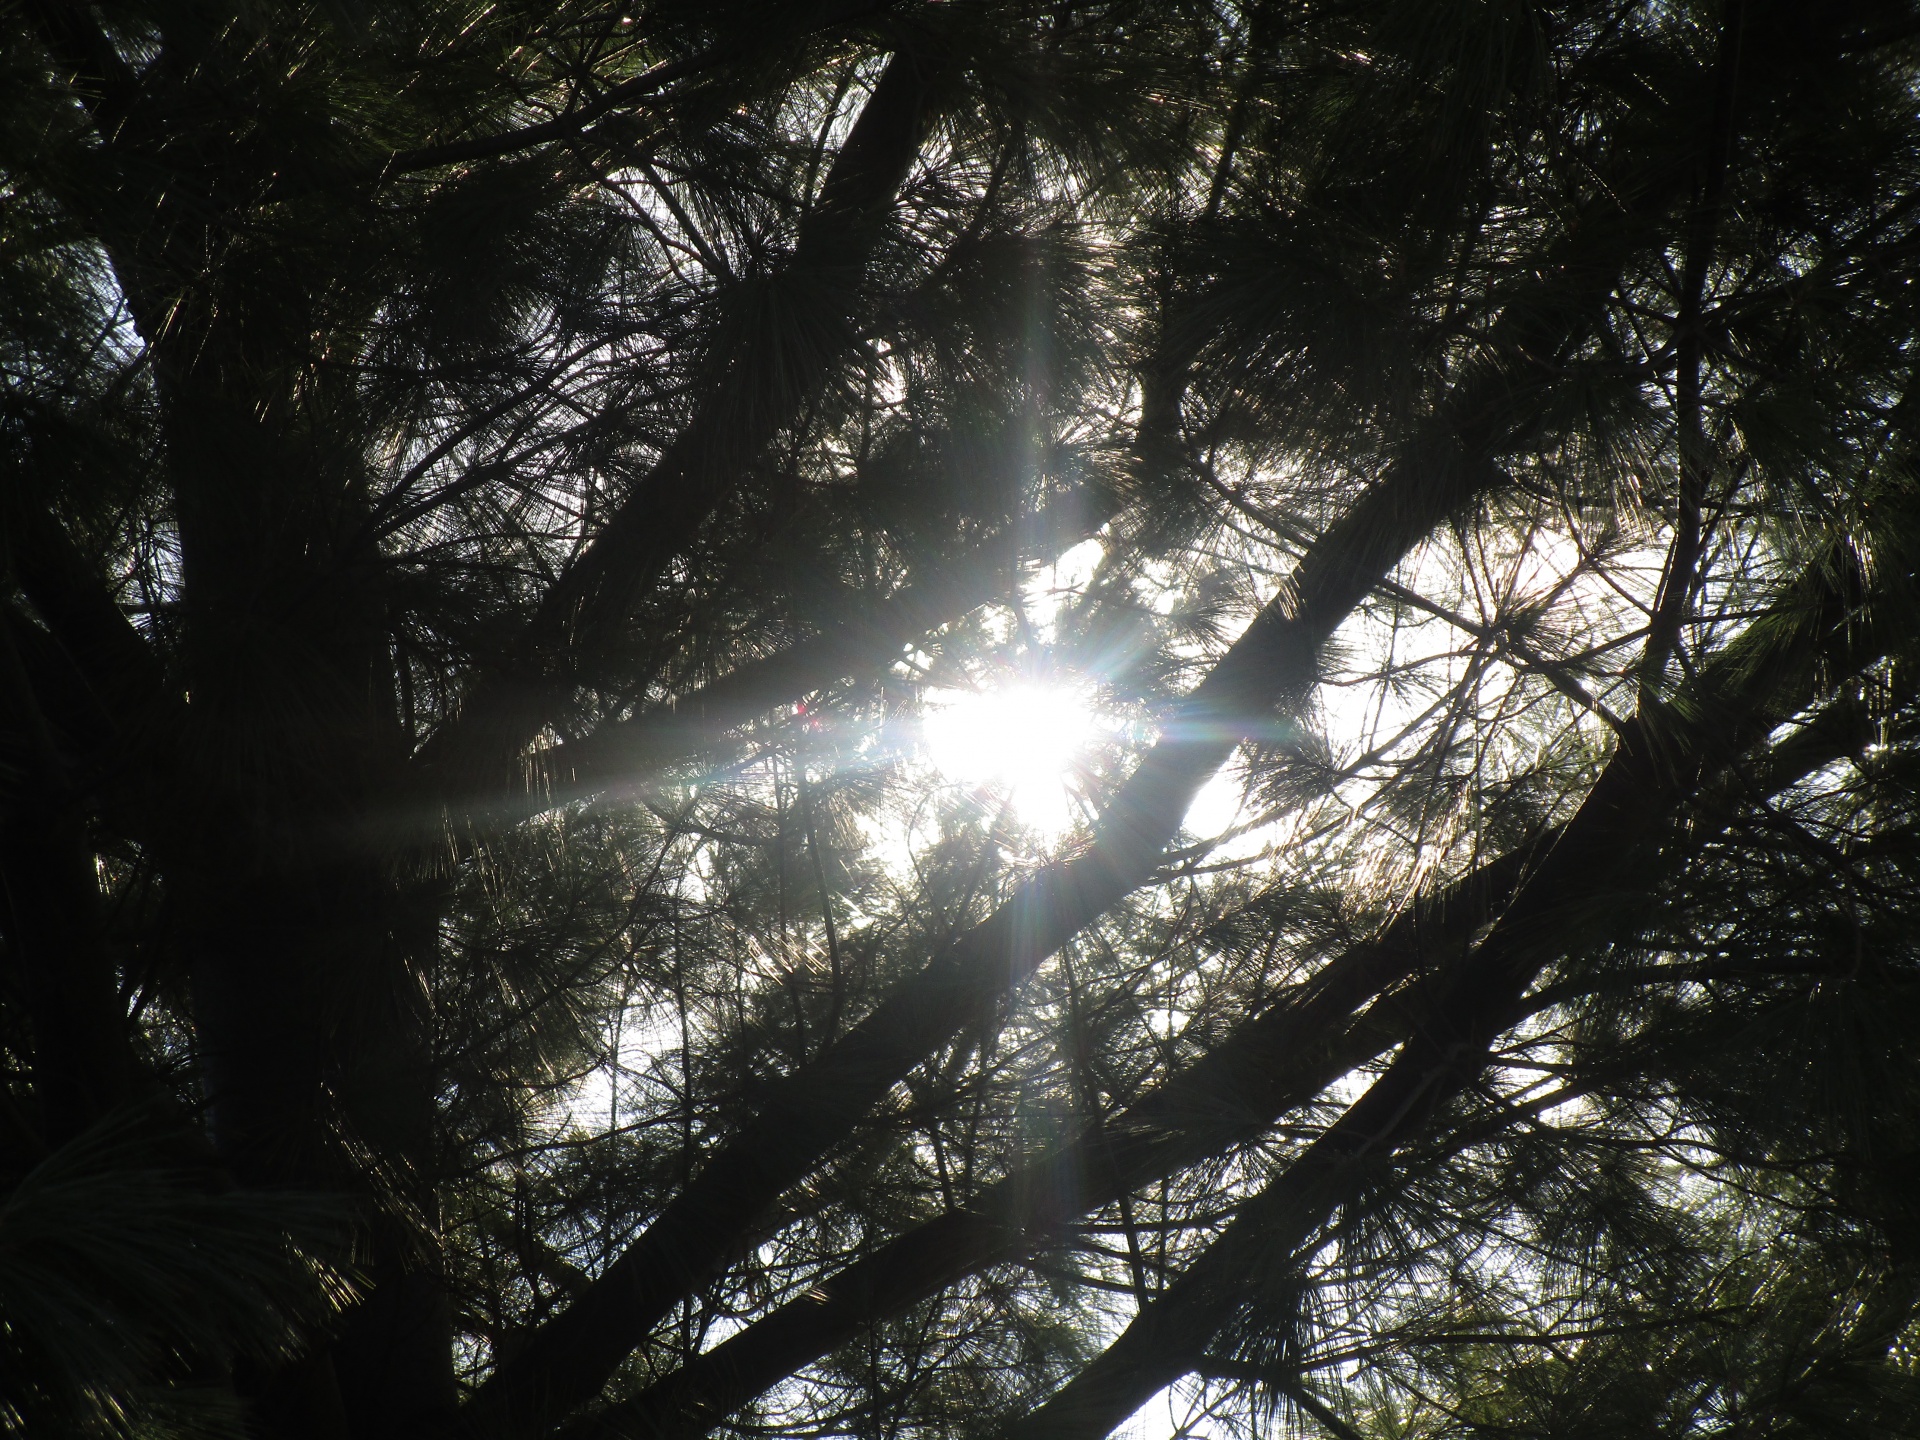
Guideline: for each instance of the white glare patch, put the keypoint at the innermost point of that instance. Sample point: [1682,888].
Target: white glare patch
[1052,586]
[1028,740]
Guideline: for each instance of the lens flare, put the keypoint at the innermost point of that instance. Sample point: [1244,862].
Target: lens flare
[1027,741]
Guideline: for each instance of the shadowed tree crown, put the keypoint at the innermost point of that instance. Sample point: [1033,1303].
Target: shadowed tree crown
[948,718]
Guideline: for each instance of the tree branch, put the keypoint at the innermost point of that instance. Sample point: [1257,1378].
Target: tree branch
[753,398]
[1695,449]
[865,640]
[1229,1095]
[1226,1097]
[1762,678]
[1273,663]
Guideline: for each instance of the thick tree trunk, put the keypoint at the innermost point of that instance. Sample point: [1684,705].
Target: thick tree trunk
[309,1057]
[83,1060]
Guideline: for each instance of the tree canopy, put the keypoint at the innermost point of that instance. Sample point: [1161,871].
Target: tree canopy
[922,718]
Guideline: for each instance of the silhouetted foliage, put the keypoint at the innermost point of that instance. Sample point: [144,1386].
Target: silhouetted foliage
[502,503]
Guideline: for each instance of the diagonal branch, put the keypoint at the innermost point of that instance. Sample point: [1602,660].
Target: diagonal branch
[752,400]
[112,657]
[817,1106]
[865,640]
[1496,406]
[1224,1098]
[1288,1384]
[1228,1096]
[1763,678]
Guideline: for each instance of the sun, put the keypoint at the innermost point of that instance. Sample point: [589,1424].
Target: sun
[1029,741]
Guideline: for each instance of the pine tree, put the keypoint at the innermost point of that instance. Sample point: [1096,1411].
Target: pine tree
[496,496]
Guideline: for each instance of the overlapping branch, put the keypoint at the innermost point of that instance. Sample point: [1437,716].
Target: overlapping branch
[1493,409]
[1662,758]
[751,400]
[1228,1096]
